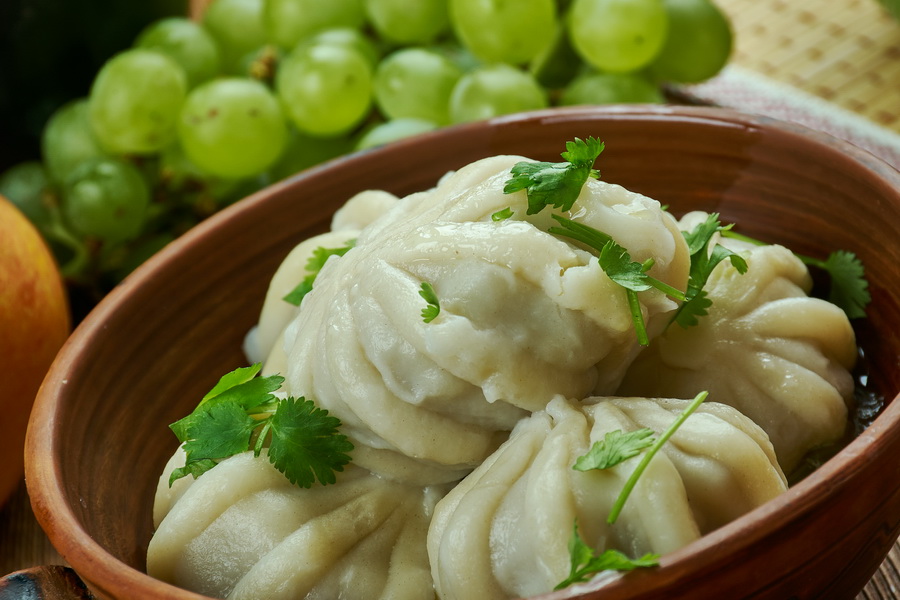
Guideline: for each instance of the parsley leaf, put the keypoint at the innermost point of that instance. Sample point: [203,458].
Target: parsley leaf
[305,443]
[615,447]
[315,263]
[703,261]
[430,312]
[556,184]
[849,287]
[585,562]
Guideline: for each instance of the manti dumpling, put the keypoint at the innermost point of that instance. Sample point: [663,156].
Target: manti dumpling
[243,531]
[766,348]
[524,315]
[503,532]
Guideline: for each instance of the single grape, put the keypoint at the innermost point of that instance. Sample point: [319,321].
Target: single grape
[326,89]
[416,83]
[187,43]
[404,22]
[512,32]
[393,130]
[617,35]
[698,44]
[26,185]
[304,151]
[346,36]
[68,140]
[232,127]
[288,21]
[237,27]
[610,88]
[106,198]
[494,90]
[134,102]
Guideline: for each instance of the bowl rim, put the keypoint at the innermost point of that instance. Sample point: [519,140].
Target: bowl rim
[109,575]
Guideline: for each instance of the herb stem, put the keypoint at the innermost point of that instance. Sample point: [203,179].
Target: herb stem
[648,456]
[637,317]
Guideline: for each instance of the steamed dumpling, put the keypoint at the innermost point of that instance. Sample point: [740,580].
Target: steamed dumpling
[243,531]
[503,532]
[525,315]
[766,348]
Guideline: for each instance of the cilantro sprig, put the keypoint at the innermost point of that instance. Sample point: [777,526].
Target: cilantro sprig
[430,312]
[849,286]
[585,562]
[703,261]
[303,439]
[556,184]
[313,265]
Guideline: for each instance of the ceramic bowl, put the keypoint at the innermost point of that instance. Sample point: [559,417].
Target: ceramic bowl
[98,437]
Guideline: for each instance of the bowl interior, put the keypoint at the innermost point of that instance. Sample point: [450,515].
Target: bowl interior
[99,438]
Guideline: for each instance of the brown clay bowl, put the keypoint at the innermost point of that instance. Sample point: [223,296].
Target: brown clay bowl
[98,437]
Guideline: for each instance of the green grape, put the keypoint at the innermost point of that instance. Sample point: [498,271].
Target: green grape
[404,22]
[698,44]
[67,140]
[134,102]
[617,35]
[610,88]
[180,176]
[304,151]
[346,36]
[232,127]
[187,43]
[511,32]
[106,198]
[289,21]
[393,130]
[27,186]
[416,83]
[494,90]
[237,27]
[326,89]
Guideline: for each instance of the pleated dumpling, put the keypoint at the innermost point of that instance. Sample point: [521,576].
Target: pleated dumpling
[243,531]
[524,315]
[766,348]
[503,532]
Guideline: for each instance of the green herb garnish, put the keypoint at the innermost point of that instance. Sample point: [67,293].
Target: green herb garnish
[315,263]
[703,262]
[849,287]
[430,312]
[502,215]
[556,184]
[585,562]
[304,443]
[615,447]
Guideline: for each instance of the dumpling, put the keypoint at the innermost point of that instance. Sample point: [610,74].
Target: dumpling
[503,532]
[243,531]
[766,348]
[524,315]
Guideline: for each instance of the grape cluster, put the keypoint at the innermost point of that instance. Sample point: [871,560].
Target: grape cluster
[199,113]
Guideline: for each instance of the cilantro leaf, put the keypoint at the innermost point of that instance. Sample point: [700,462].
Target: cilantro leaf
[219,431]
[648,456]
[313,265]
[615,447]
[585,562]
[703,261]
[433,309]
[556,184]
[305,443]
[196,468]
[236,377]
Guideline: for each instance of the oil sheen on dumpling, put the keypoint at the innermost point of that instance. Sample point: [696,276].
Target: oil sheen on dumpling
[766,348]
[243,531]
[503,532]
[524,315]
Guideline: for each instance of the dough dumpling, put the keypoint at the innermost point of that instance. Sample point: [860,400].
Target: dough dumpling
[243,531]
[503,532]
[525,315]
[766,348]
